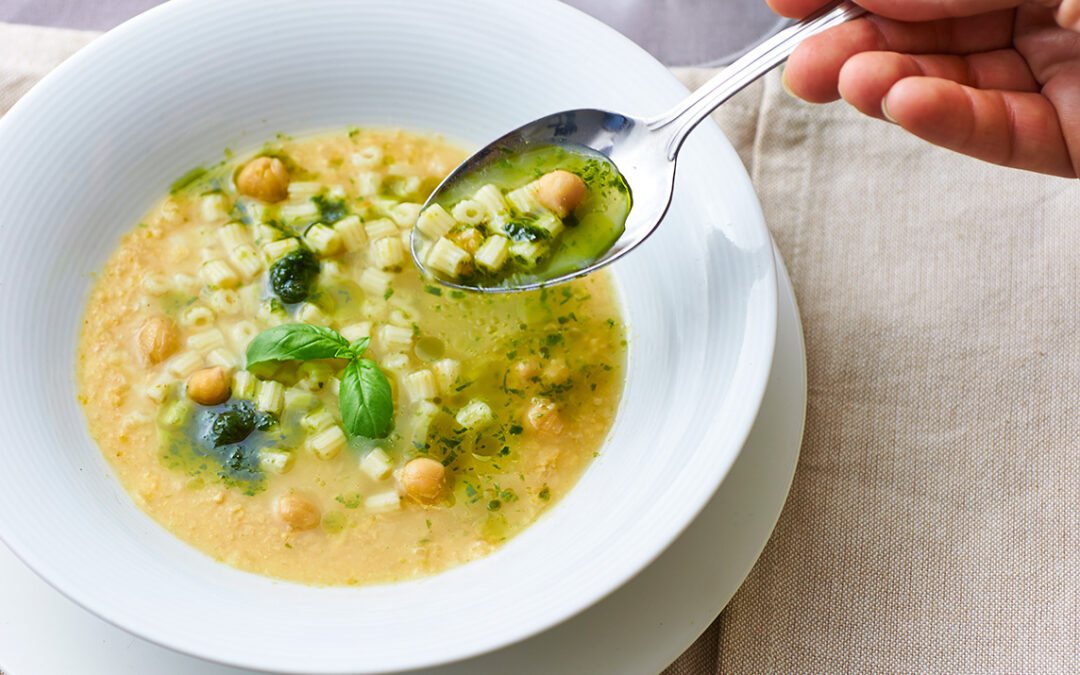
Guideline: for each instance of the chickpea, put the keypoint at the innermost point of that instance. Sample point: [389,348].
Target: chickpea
[423,479]
[209,386]
[560,191]
[264,178]
[542,416]
[297,512]
[158,339]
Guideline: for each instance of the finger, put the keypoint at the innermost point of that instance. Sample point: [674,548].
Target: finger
[796,9]
[866,78]
[908,10]
[1052,55]
[1043,43]
[1067,14]
[813,69]
[930,10]
[1017,129]
[1063,92]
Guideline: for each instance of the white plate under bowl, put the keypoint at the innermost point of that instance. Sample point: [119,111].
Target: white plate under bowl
[88,151]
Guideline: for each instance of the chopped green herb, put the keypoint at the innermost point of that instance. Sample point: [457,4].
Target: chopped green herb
[187,180]
[350,501]
[524,230]
[293,276]
[231,425]
[330,210]
[334,522]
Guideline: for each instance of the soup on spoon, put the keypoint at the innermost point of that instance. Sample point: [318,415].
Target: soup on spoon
[528,216]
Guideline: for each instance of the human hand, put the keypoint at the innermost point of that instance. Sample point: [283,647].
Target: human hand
[994,79]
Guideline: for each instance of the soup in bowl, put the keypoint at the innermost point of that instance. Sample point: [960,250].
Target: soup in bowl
[97,146]
[274,382]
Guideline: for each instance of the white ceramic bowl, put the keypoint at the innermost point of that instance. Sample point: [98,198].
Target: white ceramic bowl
[93,146]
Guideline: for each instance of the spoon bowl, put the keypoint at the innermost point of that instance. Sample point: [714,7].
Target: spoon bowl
[644,150]
[625,141]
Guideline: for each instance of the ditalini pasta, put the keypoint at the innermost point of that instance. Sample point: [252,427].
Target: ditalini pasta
[493,406]
[526,219]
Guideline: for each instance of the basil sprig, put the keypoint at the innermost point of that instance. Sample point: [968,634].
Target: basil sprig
[365,399]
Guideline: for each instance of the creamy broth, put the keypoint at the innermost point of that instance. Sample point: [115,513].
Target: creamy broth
[508,397]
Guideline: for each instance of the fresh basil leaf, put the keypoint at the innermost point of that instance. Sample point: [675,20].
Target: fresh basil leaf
[360,346]
[298,341]
[367,405]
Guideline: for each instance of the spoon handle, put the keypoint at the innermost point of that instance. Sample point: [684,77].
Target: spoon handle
[681,120]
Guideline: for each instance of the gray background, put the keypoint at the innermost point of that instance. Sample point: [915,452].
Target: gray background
[677,32]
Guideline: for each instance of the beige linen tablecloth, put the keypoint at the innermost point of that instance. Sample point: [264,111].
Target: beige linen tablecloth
[934,521]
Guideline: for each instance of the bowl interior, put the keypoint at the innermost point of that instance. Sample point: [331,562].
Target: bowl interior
[99,141]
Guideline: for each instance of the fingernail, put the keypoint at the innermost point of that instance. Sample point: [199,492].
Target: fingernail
[784,83]
[885,111]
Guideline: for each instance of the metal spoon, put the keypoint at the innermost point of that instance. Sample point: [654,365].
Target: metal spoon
[643,149]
